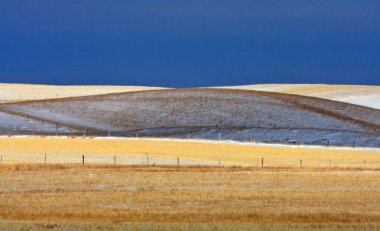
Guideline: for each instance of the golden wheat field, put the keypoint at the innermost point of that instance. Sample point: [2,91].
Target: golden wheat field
[137,151]
[20,92]
[163,184]
[109,197]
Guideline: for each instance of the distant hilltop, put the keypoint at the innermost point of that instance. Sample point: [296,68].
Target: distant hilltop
[363,95]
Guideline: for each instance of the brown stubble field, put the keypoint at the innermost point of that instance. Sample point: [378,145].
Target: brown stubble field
[187,197]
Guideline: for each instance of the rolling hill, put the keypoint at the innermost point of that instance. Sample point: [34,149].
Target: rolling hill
[368,96]
[22,92]
[200,113]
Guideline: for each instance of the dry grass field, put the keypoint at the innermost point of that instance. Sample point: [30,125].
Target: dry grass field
[22,92]
[108,197]
[334,190]
[134,151]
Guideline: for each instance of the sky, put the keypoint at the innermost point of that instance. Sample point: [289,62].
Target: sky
[178,43]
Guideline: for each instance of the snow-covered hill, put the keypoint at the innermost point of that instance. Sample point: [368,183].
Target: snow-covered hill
[209,113]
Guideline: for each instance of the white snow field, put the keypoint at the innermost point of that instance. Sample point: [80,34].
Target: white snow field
[210,113]
[363,95]
[12,124]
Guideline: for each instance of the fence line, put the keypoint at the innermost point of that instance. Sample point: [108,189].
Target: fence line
[155,160]
[216,136]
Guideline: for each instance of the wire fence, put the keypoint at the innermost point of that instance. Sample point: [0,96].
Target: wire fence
[269,133]
[146,159]
[351,140]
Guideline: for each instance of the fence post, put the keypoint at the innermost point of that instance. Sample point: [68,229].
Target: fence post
[219,161]
[300,163]
[177,160]
[262,162]
[147,160]
[45,158]
[114,159]
[82,159]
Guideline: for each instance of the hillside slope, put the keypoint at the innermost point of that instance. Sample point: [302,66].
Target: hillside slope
[210,113]
[368,96]
[22,92]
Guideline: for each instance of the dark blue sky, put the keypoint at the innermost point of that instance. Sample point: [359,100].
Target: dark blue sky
[190,43]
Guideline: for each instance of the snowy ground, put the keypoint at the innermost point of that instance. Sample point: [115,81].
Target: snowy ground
[184,109]
[286,136]
[368,101]
[205,113]
[62,118]
[10,124]
[368,96]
